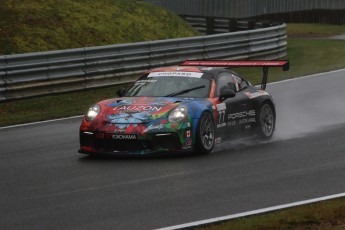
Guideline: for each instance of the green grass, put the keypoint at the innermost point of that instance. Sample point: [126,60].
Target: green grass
[314,30]
[327,215]
[31,25]
[51,107]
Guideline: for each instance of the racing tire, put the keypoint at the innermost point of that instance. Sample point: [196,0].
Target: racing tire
[267,121]
[205,134]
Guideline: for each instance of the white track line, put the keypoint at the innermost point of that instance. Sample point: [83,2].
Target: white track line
[40,122]
[278,82]
[250,213]
[308,76]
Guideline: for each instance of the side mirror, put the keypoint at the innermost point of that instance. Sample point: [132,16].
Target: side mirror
[121,91]
[226,93]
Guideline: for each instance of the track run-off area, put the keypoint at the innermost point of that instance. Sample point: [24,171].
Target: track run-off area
[46,184]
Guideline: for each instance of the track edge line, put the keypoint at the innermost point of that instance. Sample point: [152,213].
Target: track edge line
[251,213]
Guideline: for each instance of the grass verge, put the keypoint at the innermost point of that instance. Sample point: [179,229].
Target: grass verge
[32,26]
[327,215]
[314,30]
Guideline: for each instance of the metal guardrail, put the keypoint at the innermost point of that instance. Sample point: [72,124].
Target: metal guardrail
[216,25]
[42,73]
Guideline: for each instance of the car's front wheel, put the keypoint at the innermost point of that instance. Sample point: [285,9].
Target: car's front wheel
[267,121]
[205,135]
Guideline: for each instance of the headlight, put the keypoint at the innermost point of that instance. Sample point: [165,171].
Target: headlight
[92,112]
[178,114]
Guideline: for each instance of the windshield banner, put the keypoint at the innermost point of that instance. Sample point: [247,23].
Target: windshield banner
[175,74]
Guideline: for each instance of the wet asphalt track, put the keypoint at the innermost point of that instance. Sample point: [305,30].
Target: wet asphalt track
[46,184]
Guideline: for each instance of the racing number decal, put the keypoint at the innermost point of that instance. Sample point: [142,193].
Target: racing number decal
[221,115]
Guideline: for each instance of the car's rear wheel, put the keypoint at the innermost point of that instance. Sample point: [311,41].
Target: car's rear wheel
[267,121]
[205,135]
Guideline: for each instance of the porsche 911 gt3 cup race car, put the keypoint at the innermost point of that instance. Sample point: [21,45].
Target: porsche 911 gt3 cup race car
[190,107]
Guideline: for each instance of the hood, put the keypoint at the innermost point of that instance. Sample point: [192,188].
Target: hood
[138,110]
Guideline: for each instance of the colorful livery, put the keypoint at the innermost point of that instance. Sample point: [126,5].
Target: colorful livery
[190,107]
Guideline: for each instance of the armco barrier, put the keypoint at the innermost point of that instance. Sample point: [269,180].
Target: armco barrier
[216,25]
[42,73]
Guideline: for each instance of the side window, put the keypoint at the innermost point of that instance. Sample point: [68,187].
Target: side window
[226,80]
[242,84]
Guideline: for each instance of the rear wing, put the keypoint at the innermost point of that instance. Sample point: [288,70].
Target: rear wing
[246,63]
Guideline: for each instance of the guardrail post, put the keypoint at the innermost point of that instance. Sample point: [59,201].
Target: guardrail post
[232,25]
[209,25]
[265,24]
[251,25]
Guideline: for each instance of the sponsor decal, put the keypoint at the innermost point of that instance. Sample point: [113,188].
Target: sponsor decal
[188,133]
[247,120]
[175,74]
[221,106]
[221,125]
[186,147]
[256,94]
[154,127]
[146,80]
[125,136]
[116,128]
[123,117]
[137,108]
[248,127]
[232,123]
[243,114]
[207,68]
[188,142]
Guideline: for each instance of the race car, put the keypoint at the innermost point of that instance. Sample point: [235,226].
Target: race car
[185,108]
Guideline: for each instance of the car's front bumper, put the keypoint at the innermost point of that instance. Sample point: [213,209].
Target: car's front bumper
[100,143]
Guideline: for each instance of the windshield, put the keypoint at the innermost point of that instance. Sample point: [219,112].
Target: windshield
[170,86]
